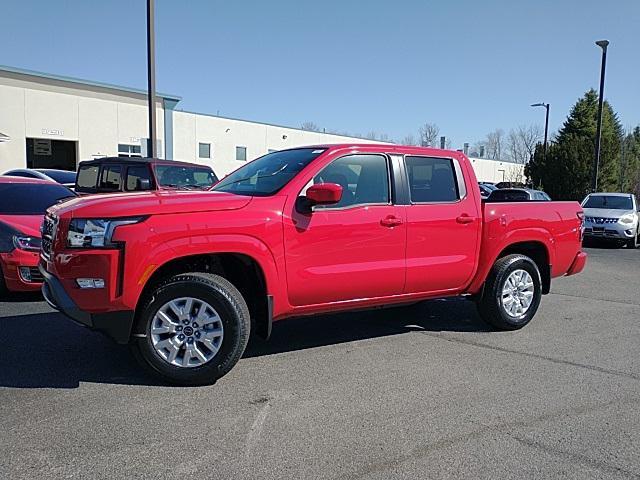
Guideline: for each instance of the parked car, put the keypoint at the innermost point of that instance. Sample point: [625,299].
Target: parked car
[184,278]
[22,206]
[612,216]
[486,189]
[518,195]
[510,185]
[124,174]
[64,177]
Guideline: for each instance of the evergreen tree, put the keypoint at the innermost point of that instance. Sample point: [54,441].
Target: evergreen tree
[566,173]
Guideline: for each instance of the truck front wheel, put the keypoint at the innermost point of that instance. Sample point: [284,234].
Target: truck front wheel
[193,329]
[511,293]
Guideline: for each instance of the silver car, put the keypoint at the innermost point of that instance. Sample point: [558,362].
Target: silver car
[612,216]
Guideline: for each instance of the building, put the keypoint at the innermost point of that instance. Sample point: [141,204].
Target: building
[50,121]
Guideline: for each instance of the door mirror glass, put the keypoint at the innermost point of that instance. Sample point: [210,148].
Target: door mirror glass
[324,194]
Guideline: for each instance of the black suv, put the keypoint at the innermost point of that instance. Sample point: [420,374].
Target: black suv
[120,174]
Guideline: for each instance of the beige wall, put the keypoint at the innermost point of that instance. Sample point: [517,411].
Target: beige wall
[98,123]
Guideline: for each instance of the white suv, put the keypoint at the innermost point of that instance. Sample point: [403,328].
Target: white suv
[612,216]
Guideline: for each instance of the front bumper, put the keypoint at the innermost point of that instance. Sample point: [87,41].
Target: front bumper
[116,325]
[11,263]
[613,231]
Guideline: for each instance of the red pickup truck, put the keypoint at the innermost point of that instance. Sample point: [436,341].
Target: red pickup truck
[186,276]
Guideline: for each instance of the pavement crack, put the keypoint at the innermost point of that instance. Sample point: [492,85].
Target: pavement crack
[504,428]
[575,457]
[620,302]
[558,361]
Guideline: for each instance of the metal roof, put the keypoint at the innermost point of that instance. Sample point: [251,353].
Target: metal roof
[79,81]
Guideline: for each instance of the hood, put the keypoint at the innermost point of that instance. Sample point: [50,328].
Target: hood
[605,212]
[27,224]
[148,203]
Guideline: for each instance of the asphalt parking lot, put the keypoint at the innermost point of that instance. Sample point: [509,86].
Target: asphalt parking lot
[425,391]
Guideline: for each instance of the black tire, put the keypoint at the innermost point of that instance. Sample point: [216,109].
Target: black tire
[490,304]
[633,243]
[232,309]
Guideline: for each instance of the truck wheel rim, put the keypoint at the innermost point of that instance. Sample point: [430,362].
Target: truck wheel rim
[186,332]
[517,293]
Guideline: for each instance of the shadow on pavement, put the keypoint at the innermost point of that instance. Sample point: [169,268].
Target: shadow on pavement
[49,351]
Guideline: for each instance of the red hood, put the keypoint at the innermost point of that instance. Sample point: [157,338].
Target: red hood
[148,203]
[27,224]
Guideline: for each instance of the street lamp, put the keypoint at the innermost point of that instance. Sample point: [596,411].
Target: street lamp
[152,150]
[594,181]
[546,126]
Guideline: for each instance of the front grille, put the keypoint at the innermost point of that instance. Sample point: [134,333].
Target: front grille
[600,220]
[49,228]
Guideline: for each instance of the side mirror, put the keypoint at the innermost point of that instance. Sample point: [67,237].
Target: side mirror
[143,184]
[324,194]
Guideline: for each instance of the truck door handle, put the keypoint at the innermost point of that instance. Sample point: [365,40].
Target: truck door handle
[464,219]
[391,221]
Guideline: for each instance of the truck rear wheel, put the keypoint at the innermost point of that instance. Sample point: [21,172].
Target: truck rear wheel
[512,293]
[196,327]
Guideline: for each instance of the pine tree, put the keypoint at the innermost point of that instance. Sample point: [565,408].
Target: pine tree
[566,173]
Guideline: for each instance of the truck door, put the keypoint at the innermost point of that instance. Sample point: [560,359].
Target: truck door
[354,249]
[443,225]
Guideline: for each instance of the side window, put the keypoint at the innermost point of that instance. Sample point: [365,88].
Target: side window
[364,180]
[88,177]
[135,174]
[431,179]
[111,178]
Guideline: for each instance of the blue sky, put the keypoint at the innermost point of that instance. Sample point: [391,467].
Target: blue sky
[357,66]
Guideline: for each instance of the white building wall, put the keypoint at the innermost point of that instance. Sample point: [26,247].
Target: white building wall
[12,151]
[495,171]
[224,135]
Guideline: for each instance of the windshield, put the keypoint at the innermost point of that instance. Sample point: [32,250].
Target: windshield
[268,174]
[30,198]
[616,202]
[184,177]
[60,176]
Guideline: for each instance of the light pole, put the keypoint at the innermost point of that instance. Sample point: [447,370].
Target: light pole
[546,127]
[152,150]
[602,44]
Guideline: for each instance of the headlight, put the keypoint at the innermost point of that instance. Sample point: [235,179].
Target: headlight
[27,243]
[628,218]
[94,232]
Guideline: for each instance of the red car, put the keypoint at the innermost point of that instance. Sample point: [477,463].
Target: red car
[185,276]
[23,202]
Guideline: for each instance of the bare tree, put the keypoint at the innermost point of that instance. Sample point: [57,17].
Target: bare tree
[494,143]
[429,133]
[521,143]
[409,140]
[310,126]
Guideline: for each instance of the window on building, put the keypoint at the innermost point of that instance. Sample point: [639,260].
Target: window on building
[125,150]
[431,179]
[204,150]
[241,154]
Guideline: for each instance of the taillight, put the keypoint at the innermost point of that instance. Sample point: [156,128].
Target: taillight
[580,216]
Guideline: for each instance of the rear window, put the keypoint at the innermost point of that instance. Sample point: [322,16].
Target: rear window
[135,175]
[431,179]
[87,176]
[30,198]
[111,178]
